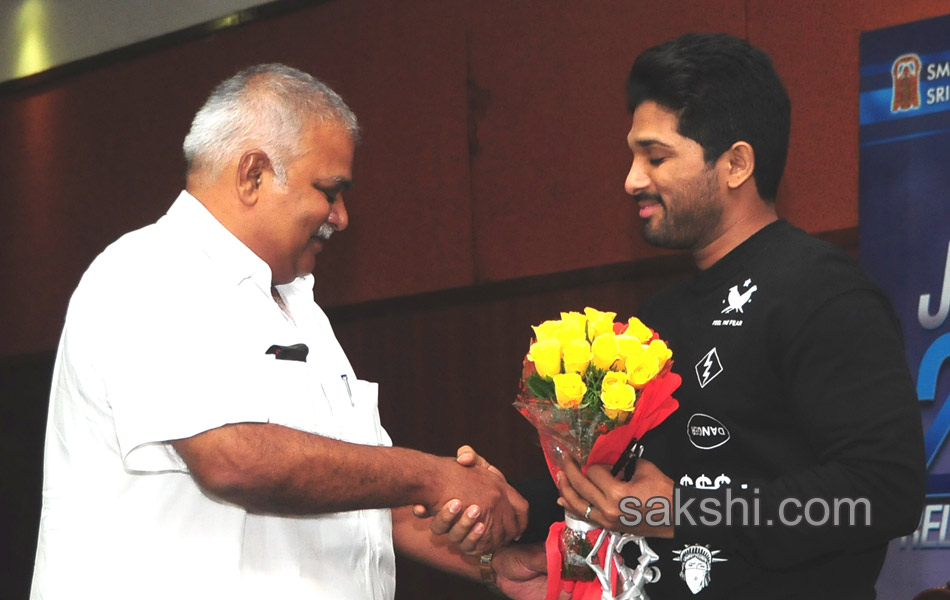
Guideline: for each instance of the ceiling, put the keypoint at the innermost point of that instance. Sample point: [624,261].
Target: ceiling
[36,35]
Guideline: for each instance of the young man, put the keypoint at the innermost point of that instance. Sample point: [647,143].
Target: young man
[797,450]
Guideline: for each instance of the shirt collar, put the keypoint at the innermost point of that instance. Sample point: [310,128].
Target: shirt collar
[236,261]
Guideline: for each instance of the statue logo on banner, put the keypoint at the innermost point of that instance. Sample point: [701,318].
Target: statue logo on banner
[905,75]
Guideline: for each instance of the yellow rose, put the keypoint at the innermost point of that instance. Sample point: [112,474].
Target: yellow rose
[573,327]
[618,398]
[606,350]
[599,323]
[644,371]
[546,357]
[569,389]
[546,331]
[577,356]
[613,378]
[630,349]
[659,350]
[637,329]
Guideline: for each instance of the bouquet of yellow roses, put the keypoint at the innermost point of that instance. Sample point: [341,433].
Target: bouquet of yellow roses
[591,385]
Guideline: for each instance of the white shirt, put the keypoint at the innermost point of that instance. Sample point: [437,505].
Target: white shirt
[166,337]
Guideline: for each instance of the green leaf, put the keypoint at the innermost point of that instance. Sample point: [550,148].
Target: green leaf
[540,387]
[594,379]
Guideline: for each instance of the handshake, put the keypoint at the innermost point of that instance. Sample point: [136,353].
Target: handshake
[494,512]
[477,512]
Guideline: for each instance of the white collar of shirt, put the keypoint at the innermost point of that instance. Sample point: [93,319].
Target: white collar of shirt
[231,254]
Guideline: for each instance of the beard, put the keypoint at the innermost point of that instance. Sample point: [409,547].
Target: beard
[688,218]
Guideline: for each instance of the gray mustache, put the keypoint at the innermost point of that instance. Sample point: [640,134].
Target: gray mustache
[325,231]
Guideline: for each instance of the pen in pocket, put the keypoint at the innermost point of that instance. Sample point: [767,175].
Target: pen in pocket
[346,382]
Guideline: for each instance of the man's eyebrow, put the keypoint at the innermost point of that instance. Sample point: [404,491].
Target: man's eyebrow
[335,182]
[646,143]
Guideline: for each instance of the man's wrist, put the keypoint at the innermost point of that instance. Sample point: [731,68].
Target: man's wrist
[487,572]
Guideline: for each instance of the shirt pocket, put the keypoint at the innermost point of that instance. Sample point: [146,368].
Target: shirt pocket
[296,398]
[363,424]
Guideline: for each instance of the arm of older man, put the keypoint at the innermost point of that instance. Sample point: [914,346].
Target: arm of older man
[272,469]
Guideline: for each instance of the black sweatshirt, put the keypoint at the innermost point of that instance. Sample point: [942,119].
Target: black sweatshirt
[798,422]
[796,410]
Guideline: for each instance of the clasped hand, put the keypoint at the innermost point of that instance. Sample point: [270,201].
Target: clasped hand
[494,512]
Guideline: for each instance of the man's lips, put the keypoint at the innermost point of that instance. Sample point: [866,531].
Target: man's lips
[649,205]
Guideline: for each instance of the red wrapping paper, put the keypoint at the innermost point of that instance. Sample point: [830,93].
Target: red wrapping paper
[654,405]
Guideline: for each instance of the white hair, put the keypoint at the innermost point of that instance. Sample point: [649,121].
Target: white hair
[263,107]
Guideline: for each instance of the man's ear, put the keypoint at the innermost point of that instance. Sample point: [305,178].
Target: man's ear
[740,163]
[250,173]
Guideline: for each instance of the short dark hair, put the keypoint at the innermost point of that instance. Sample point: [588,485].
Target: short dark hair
[724,90]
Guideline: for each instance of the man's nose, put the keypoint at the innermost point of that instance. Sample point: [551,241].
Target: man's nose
[637,179]
[339,218]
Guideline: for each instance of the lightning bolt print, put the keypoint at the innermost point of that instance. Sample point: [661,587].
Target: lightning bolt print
[708,368]
[708,363]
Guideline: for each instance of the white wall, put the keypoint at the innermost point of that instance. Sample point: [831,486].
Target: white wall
[38,34]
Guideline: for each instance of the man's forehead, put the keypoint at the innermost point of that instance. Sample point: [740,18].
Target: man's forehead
[329,144]
[654,125]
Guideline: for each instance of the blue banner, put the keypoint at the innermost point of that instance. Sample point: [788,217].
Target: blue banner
[905,246]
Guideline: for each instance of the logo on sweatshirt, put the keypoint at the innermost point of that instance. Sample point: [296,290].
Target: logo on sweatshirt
[706,432]
[735,302]
[708,368]
[705,483]
[697,562]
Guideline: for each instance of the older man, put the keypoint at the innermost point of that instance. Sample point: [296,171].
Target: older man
[207,437]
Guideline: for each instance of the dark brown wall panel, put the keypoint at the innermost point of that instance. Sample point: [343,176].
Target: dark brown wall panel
[401,65]
[550,123]
[815,48]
